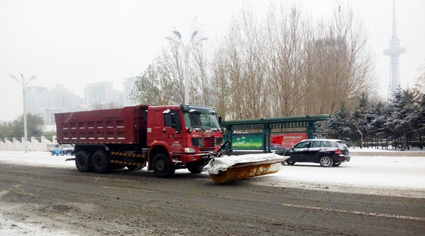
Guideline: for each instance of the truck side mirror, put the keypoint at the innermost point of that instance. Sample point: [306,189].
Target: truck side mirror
[219,120]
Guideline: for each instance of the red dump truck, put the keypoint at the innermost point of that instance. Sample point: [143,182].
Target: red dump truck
[164,138]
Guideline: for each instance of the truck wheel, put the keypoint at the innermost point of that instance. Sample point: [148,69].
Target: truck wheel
[326,161]
[100,162]
[162,166]
[195,168]
[82,161]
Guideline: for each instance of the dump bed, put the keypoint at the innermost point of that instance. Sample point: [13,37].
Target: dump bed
[113,126]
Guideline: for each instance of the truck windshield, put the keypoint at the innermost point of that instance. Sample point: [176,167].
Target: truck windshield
[203,121]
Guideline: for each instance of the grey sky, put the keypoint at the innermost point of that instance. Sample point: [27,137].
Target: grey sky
[79,42]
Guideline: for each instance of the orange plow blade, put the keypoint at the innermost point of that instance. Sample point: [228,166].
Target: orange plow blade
[232,168]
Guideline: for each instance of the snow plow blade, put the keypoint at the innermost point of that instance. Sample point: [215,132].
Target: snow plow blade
[232,168]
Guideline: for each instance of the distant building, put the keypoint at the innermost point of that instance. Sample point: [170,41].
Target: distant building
[98,93]
[117,98]
[61,97]
[44,102]
[394,52]
[128,86]
[36,98]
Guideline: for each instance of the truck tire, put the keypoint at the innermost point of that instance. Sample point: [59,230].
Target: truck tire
[195,168]
[82,161]
[100,162]
[162,167]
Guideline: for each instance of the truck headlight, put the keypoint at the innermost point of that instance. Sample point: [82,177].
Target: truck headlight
[189,150]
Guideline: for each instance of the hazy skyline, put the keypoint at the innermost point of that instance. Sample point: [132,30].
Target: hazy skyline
[81,42]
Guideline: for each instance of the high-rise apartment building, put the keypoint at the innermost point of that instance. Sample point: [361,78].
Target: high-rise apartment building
[36,99]
[128,86]
[98,93]
[44,102]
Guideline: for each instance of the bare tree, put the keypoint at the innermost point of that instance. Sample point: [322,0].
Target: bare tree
[288,34]
[162,82]
[286,64]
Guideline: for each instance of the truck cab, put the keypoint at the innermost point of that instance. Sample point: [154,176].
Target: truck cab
[187,134]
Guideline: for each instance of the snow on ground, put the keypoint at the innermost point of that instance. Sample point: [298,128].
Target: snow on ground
[11,228]
[382,175]
[36,159]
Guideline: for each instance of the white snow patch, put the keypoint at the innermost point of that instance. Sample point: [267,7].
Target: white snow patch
[11,228]
[381,175]
[220,164]
[36,159]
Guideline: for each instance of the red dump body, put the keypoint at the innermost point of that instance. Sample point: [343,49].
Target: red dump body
[113,126]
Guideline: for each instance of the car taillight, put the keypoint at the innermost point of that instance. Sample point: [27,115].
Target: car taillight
[338,152]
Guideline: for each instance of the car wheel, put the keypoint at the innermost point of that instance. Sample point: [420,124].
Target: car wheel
[291,163]
[326,161]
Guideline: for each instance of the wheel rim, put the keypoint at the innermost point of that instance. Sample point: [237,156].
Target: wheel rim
[160,165]
[325,161]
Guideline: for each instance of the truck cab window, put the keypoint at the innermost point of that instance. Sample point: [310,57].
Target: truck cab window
[167,119]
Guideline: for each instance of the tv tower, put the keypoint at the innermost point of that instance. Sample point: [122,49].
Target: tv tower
[394,52]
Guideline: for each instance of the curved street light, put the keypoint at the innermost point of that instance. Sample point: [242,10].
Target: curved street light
[24,84]
[187,48]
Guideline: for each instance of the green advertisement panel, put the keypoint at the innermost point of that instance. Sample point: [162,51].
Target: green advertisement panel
[247,141]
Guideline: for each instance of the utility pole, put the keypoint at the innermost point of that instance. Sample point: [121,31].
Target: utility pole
[24,84]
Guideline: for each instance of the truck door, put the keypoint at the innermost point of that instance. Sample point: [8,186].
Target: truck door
[171,132]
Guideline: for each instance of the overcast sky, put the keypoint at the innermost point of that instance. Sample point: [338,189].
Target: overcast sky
[75,43]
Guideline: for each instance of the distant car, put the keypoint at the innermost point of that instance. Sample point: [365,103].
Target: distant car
[57,149]
[327,152]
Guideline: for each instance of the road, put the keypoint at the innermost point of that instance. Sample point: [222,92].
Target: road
[136,203]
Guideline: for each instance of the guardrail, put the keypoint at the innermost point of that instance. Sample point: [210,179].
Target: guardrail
[34,144]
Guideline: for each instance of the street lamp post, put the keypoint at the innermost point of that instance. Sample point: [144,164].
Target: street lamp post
[24,84]
[186,48]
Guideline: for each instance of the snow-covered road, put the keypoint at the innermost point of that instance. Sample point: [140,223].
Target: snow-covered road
[397,176]
[380,175]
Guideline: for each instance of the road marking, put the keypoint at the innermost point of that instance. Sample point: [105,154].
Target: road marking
[357,212]
[128,189]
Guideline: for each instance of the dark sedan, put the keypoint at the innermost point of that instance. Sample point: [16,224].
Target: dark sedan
[327,152]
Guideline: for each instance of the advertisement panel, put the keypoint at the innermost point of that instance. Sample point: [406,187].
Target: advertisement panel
[285,140]
[247,141]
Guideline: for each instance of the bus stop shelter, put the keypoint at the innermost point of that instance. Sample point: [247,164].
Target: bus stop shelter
[266,134]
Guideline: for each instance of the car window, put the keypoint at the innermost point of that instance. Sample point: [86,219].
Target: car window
[302,145]
[342,145]
[328,144]
[315,144]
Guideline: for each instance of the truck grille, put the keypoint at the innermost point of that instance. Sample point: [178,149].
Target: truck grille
[206,142]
